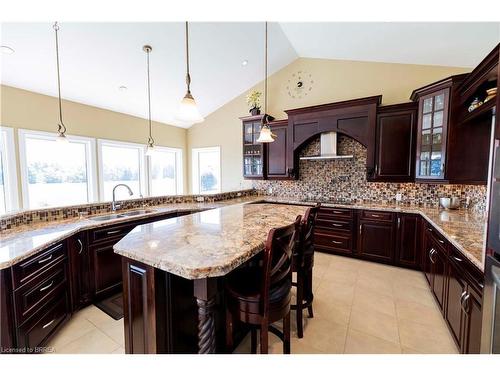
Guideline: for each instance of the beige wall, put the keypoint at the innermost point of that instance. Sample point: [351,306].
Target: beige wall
[21,109]
[334,80]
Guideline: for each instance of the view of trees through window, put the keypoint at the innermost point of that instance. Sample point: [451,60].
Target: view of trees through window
[163,164]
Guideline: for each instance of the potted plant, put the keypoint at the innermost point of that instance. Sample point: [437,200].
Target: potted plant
[253,101]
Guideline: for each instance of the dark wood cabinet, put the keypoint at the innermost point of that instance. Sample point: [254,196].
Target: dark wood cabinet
[473,314]
[457,288]
[376,238]
[334,232]
[81,283]
[277,158]
[408,252]
[254,153]
[395,143]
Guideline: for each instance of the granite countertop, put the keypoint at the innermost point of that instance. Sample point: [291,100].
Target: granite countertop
[464,229]
[207,244]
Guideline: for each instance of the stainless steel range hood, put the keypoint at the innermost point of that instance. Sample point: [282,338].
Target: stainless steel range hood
[328,148]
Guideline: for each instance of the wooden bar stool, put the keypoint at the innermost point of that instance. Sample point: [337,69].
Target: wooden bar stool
[302,264]
[260,295]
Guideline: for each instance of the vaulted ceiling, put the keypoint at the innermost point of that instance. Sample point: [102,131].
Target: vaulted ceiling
[98,58]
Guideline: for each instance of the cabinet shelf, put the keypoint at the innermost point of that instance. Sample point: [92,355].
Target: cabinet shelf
[479,111]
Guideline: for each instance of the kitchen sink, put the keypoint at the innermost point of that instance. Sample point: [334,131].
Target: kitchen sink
[137,212]
[107,217]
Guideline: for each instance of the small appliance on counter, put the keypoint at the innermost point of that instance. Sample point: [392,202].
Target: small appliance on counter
[449,203]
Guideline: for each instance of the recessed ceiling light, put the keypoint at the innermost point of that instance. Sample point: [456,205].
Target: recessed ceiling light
[123,88]
[7,50]
[244,63]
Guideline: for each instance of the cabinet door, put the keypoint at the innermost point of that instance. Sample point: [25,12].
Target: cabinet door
[431,137]
[471,343]
[81,285]
[457,288]
[427,258]
[376,241]
[107,270]
[408,252]
[438,274]
[276,154]
[395,148]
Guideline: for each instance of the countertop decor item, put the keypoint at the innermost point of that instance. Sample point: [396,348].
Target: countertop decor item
[188,110]
[151,142]
[491,94]
[253,101]
[449,203]
[61,128]
[475,104]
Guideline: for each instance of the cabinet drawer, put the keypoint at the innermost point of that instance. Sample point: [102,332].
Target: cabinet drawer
[109,233]
[437,237]
[333,241]
[333,225]
[377,215]
[35,331]
[28,269]
[40,291]
[474,277]
[340,213]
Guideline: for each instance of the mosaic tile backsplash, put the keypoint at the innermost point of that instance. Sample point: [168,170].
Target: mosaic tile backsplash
[345,179]
[10,221]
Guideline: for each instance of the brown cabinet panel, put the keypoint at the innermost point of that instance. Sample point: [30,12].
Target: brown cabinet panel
[409,247]
[333,242]
[335,213]
[376,240]
[377,215]
[473,323]
[438,269]
[81,279]
[395,143]
[107,270]
[457,288]
[333,225]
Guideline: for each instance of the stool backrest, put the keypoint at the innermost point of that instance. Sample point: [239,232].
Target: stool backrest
[277,262]
[306,237]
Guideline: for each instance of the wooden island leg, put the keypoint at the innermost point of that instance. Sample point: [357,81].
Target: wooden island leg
[205,291]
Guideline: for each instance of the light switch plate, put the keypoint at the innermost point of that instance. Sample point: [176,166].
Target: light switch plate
[399,197]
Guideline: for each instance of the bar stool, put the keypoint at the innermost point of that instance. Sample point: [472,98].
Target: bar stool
[302,265]
[260,295]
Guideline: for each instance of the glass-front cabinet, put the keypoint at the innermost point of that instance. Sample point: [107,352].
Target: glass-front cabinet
[253,152]
[431,139]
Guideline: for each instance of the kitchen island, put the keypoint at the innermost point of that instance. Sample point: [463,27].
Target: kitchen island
[173,272]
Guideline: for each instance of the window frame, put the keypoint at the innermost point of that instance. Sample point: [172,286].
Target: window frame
[11,187]
[179,177]
[143,167]
[90,162]
[195,166]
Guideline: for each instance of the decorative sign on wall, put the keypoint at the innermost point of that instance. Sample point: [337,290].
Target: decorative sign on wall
[300,84]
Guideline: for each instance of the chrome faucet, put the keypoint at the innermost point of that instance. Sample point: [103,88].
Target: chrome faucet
[115,206]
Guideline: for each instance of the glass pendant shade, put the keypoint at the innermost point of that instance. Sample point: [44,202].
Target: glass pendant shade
[150,150]
[265,136]
[188,111]
[61,138]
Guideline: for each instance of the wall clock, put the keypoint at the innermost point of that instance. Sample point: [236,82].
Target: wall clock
[300,84]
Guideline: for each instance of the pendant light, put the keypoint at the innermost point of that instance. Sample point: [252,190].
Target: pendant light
[61,128]
[151,142]
[266,135]
[188,111]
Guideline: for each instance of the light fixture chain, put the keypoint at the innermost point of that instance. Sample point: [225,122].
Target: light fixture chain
[62,127]
[188,76]
[149,100]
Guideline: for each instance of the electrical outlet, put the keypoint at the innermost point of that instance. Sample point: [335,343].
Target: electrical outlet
[399,197]
[200,199]
[270,190]
[239,194]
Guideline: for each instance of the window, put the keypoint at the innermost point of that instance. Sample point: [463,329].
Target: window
[165,171]
[56,174]
[8,178]
[121,163]
[206,170]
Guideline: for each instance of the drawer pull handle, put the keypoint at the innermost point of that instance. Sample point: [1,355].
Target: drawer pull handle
[48,324]
[45,260]
[375,215]
[337,242]
[429,229]
[337,212]
[457,259]
[441,241]
[113,231]
[80,244]
[47,286]
[337,225]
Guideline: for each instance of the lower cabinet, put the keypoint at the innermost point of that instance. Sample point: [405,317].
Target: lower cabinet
[438,275]
[408,252]
[81,283]
[106,267]
[376,239]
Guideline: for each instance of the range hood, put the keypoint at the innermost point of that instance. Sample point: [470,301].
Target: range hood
[328,148]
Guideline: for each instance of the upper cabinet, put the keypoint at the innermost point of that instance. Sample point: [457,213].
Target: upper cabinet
[276,161]
[254,153]
[395,143]
[433,125]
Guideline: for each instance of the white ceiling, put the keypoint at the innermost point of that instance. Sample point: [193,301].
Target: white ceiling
[97,58]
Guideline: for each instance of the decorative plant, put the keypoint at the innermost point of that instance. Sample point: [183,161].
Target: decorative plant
[253,99]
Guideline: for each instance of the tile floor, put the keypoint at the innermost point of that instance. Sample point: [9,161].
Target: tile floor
[359,307]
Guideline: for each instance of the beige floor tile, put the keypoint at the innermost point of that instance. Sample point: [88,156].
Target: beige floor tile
[362,343]
[416,312]
[341,276]
[115,330]
[334,292]
[120,350]
[96,316]
[368,300]
[426,338]
[324,335]
[376,324]
[373,283]
[75,328]
[403,278]
[417,295]
[322,258]
[93,342]
[336,311]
